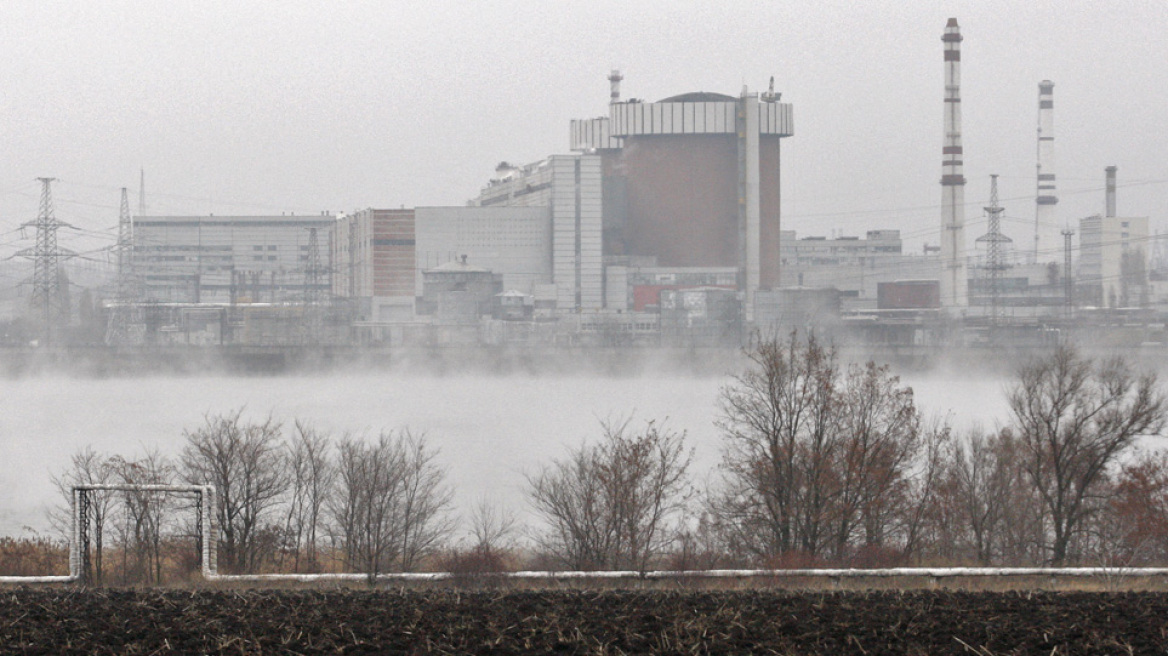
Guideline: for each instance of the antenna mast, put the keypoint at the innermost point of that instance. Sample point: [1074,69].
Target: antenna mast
[142,192]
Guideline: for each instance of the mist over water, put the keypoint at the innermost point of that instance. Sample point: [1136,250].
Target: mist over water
[490,429]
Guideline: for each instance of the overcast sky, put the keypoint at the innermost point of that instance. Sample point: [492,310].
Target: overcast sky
[252,108]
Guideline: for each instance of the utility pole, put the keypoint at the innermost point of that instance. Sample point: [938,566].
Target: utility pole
[123,314]
[46,257]
[995,250]
[1068,280]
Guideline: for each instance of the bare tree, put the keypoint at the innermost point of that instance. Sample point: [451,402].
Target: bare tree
[145,515]
[312,475]
[880,433]
[609,505]
[1074,417]
[245,463]
[818,462]
[923,479]
[424,503]
[570,495]
[492,528]
[980,481]
[1137,512]
[389,501]
[780,425]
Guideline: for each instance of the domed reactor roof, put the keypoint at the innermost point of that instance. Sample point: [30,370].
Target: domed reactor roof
[699,96]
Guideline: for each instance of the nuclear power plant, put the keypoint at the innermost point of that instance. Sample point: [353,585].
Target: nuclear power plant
[656,223]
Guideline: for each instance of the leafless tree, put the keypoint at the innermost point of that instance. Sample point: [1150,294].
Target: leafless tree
[609,505]
[980,481]
[880,435]
[491,550]
[492,528]
[1073,417]
[820,462]
[142,528]
[780,421]
[389,502]
[424,503]
[245,463]
[1134,530]
[311,479]
[87,467]
[922,479]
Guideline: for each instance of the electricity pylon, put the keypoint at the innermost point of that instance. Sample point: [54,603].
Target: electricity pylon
[123,316]
[314,295]
[995,251]
[47,297]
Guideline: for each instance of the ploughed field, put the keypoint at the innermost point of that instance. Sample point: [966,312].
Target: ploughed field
[106,621]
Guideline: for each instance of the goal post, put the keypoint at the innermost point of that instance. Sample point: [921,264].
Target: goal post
[79,565]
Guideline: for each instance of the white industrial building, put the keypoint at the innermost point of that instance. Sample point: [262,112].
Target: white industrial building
[226,259]
[513,242]
[855,266]
[1113,259]
[1113,256]
[569,186]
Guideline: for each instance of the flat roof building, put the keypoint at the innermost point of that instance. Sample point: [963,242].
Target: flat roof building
[226,259]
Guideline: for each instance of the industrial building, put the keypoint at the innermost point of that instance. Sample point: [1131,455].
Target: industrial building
[513,242]
[382,258]
[569,188]
[226,259]
[374,263]
[1113,261]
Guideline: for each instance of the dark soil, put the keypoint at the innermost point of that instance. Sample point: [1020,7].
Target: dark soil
[60,621]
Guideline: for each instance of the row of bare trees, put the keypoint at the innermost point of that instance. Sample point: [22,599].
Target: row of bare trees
[382,504]
[1063,481]
[823,463]
[836,464]
[820,458]
[831,464]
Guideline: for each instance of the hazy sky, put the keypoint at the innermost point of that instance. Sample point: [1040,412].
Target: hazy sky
[252,108]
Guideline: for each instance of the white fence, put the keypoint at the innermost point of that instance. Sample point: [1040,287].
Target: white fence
[205,508]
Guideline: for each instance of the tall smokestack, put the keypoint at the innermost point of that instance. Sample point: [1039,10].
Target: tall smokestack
[614,80]
[1046,228]
[953,274]
[1110,191]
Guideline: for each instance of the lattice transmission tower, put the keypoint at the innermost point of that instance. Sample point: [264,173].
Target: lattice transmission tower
[995,243]
[48,299]
[1068,278]
[124,325]
[315,297]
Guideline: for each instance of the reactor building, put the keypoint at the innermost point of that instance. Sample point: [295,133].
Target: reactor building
[692,181]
